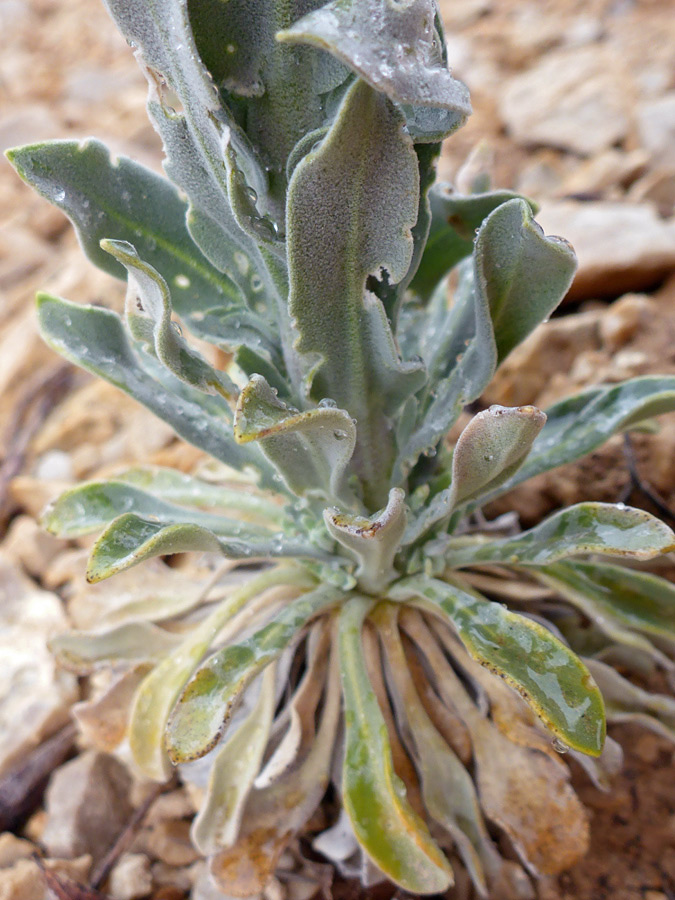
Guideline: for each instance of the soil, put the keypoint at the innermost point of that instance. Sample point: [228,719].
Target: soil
[65,72]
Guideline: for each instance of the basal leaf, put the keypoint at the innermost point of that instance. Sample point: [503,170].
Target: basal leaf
[374,541]
[526,655]
[352,204]
[604,528]
[311,450]
[134,642]
[626,702]
[130,539]
[205,705]
[577,425]
[177,487]
[397,50]
[455,219]
[92,505]
[161,688]
[386,826]
[233,772]
[637,600]
[148,314]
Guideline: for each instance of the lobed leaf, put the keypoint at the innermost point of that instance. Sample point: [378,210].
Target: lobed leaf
[148,315]
[552,680]
[95,339]
[605,528]
[204,708]
[386,826]
[577,425]
[310,450]
[397,50]
[374,541]
[333,246]
[455,219]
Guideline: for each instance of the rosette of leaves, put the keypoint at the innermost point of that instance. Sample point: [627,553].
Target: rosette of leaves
[383,637]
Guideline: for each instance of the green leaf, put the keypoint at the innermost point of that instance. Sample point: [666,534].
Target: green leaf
[161,688]
[172,485]
[205,706]
[374,541]
[524,274]
[130,539]
[577,425]
[385,824]
[92,505]
[311,450]
[333,246]
[279,90]
[455,219]
[95,339]
[605,528]
[122,200]
[489,450]
[148,315]
[84,652]
[233,772]
[526,655]
[633,599]
[397,50]
[448,791]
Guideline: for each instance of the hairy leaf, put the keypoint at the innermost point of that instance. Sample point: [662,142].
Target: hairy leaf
[310,450]
[579,424]
[83,652]
[526,655]
[386,826]
[455,219]
[95,339]
[584,528]
[205,705]
[374,541]
[397,50]
[352,205]
[148,314]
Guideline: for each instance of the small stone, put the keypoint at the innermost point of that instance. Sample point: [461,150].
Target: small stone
[13,848]
[131,878]
[180,877]
[169,841]
[609,170]
[35,696]
[571,99]
[25,881]
[655,895]
[87,805]
[28,544]
[172,805]
[656,125]
[620,246]
[623,319]
[657,187]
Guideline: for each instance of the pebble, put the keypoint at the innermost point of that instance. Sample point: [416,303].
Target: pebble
[35,696]
[169,841]
[571,99]
[24,880]
[623,319]
[620,246]
[87,803]
[656,127]
[29,545]
[13,848]
[131,878]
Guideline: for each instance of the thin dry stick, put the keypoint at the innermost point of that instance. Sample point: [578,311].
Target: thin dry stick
[126,836]
[636,481]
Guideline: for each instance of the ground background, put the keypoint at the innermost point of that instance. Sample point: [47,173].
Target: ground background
[576,105]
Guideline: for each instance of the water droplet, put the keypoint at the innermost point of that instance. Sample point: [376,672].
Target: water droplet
[182,281]
[340,435]
[60,196]
[176,327]
[559,746]
[327,403]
